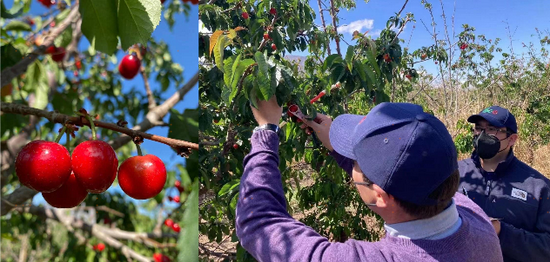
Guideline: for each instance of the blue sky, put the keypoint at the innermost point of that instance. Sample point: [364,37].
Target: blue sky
[488,17]
[183,45]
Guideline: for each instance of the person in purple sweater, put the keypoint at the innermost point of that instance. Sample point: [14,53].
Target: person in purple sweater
[404,164]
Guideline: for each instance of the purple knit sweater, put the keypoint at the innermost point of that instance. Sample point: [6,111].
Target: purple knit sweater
[269,233]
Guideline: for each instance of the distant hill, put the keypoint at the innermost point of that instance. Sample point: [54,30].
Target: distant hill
[297,59]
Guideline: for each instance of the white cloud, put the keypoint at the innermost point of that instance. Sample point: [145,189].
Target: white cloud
[359,25]
[375,33]
[203,29]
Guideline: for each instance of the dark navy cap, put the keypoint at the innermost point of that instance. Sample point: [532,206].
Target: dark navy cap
[399,147]
[497,117]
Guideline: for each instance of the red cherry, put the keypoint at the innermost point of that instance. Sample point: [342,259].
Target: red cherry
[177,199]
[387,58]
[236,146]
[43,166]
[100,247]
[463,46]
[408,77]
[436,62]
[216,121]
[78,64]
[266,36]
[30,21]
[176,227]
[107,221]
[47,3]
[58,54]
[162,1]
[50,49]
[177,183]
[245,15]
[160,258]
[274,47]
[170,198]
[273,11]
[169,222]
[52,24]
[95,165]
[129,66]
[142,177]
[181,189]
[69,195]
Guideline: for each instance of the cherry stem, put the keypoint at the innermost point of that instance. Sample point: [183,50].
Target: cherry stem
[139,150]
[68,140]
[61,134]
[92,126]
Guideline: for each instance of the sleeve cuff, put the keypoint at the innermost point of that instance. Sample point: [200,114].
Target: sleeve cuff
[262,140]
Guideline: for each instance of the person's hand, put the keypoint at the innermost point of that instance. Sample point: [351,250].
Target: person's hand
[268,112]
[496,225]
[321,129]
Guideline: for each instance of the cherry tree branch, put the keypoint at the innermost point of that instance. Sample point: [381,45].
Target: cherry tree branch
[333,13]
[402,8]
[21,67]
[62,118]
[323,22]
[110,236]
[150,97]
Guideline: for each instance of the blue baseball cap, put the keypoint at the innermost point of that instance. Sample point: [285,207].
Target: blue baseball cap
[402,149]
[497,117]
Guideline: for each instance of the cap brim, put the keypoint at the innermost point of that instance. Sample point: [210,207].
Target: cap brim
[342,134]
[494,122]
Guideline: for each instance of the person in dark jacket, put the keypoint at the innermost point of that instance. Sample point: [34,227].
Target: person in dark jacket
[404,165]
[514,195]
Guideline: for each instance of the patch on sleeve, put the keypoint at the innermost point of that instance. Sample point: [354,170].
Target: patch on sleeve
[518,193]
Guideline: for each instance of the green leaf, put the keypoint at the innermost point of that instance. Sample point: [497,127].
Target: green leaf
[262,64]
[65,38]
[36,80]
[184,126]
[337,73]
[360,70]
[331,59]
[10,56]
[232,34]
[228,187]
[349,56]
[233,203]
[99,24]
[372,79]
[15,11]
[16,25]
[237,74]
[229,64]
[264,85]
[222,43]
[288,79]
[137,19]
[373,63]
[188,246]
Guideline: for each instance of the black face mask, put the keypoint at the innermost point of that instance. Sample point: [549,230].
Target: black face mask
[487,146]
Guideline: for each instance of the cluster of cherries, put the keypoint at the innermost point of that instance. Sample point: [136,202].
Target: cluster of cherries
[272,11]
[65,180]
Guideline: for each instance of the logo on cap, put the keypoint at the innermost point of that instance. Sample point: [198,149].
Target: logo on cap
[489,110]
